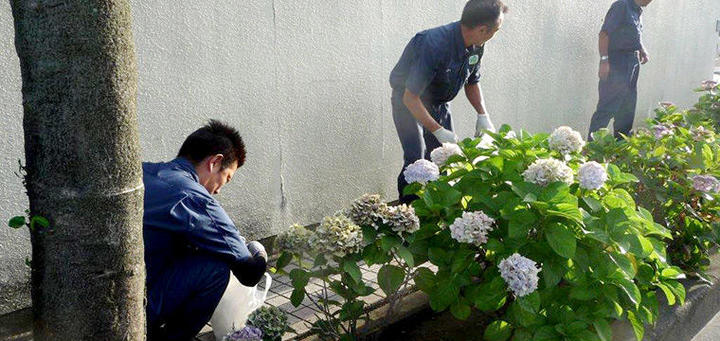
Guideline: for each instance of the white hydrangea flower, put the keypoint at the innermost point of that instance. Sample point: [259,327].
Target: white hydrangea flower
[367,210]
[566,140]
[660,130]
[472,228]
[294,240]
[336,235]
[520,274]
[592,175]
[706,184]
[421,171]
[701,134]
[545,171]
[402,218]
[486,142]
[440,155]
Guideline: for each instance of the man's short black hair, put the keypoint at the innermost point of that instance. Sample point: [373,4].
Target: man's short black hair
[214,138]
[482,12]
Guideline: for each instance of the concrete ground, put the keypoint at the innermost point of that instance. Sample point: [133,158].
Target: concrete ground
[711,332]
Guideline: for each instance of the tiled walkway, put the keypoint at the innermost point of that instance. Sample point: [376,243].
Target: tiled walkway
[302,316]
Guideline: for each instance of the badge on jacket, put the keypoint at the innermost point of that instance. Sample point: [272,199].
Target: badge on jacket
[474,59]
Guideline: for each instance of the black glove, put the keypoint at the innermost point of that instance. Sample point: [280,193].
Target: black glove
[250,273]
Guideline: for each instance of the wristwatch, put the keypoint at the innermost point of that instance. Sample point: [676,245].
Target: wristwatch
[604,58]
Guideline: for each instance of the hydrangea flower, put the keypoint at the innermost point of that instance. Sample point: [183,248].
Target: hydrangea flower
[702,134]
[421,171]
[367,210]
[520,274]
[336,235]
[472,228]
[708,85]
[706,184]
[248,333]
[294,240]
[440,155]
[566,140]
[592,175]
[660,130]
[545,171]
[402,218]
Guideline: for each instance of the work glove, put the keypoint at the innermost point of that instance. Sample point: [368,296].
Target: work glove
[483,123]
[251,272]
[445,136]
[257,250]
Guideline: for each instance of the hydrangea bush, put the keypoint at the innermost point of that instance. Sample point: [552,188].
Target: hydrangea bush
[677,162]
[368,231]
[551,244]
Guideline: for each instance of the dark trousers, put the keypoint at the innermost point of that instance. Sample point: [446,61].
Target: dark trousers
[183,297]
[417,142]
[618,96]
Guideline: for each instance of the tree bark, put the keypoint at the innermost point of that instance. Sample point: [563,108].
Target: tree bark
[83,168]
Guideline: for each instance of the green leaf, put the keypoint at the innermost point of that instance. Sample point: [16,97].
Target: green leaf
[567,211]
[297,296]
[498,331]
[672,273]
[369,234]
[17,222]
[439,256]
[320,260]
[460,310]
[283,260]
[594,204]
[602,327]
[390,277]
[669,295]
[38,220]
[424,279]
[444,294]
[353,270]
[546,333]
[389,241]
[561,240]
[677,288]
[488,296]
[631,290]
[299,278]
[351,310]
[552,272]
[637,325]
[406,255]
[521,221]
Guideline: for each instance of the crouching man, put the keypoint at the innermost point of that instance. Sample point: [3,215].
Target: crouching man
[191,245]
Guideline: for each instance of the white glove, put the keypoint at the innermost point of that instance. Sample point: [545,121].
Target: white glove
[257,250]
[483,123]
[445,136]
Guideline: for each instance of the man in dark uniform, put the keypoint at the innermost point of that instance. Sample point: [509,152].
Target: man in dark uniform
[621,53]
[433,68]
[191,245]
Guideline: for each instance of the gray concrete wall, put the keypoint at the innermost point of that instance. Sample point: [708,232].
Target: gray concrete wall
[306,84]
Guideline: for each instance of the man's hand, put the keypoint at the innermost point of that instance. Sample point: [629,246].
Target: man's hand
[445,136]
[604,71]
[257,250]
[644,57]
[483,123]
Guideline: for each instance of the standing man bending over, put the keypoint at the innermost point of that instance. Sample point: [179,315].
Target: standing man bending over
[621,53]
[191,245]
[435,65]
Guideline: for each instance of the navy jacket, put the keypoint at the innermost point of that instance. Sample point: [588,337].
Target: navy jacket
[623,24]
[182,218]
[436,64]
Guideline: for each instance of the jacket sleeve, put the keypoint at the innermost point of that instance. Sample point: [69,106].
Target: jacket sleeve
[209,228]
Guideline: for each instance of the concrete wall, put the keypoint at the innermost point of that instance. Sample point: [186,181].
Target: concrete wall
[306,83]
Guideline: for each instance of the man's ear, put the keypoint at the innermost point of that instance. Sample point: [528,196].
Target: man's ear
[215,162]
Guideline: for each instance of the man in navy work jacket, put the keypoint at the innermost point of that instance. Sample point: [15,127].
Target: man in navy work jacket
[434,66]
[621,53]
[191,245]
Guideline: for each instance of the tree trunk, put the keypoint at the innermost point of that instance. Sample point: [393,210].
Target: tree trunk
[83,171]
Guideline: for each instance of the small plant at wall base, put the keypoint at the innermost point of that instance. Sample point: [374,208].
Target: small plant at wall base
[272,321]
[550,244]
